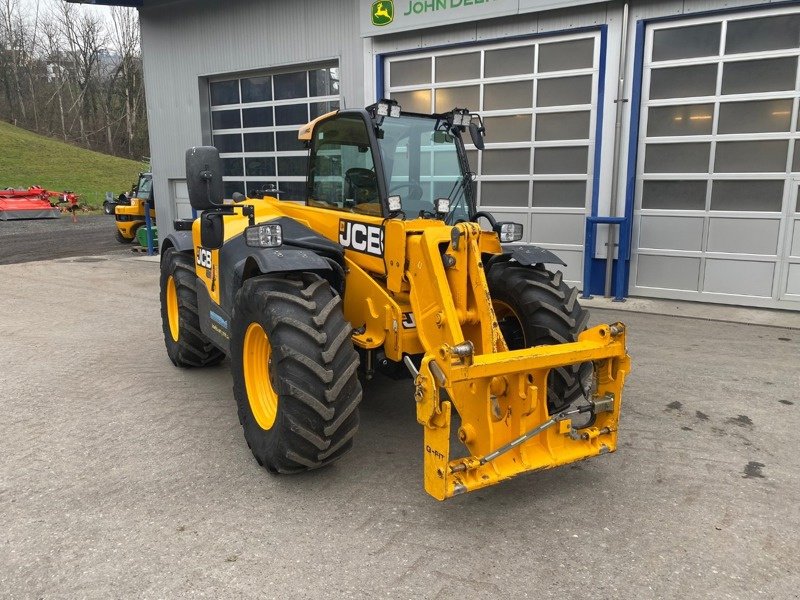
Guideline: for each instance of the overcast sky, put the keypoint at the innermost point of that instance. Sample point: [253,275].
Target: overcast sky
[30,6]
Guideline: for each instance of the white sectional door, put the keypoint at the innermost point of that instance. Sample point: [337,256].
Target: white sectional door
[790,283]
[538,100]
[718,134]
[180,198]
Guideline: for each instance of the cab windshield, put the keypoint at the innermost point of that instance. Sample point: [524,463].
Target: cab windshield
[422,165]
[144,189]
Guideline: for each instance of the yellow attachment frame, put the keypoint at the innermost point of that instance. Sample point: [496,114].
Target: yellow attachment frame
[500,395]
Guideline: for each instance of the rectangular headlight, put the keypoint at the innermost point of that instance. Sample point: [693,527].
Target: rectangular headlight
[264,236]
[509,232]
[394,110]
[383,109]
[442,206]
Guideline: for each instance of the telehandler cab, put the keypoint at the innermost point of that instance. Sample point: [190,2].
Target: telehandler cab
[385,266]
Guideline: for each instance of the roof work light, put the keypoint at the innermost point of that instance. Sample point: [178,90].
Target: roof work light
[387,108]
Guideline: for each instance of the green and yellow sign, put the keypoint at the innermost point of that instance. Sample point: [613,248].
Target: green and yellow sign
[382,17]
[382,12]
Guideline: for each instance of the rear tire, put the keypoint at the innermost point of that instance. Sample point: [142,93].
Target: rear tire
[108,208]
[122,239]
[298,399]
[534,307]
[185,342]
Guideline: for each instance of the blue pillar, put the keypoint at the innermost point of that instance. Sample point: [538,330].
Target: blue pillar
[148,223]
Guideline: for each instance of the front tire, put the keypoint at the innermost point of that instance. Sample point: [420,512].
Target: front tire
[294,372]
[535,307]
[185,342]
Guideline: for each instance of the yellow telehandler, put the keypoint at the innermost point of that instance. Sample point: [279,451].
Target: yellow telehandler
[388,265]
[129,218]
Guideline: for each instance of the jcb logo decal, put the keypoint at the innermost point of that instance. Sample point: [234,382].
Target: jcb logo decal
[204,258]
[361,237]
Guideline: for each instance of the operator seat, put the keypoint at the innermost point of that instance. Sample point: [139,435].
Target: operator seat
[361,185]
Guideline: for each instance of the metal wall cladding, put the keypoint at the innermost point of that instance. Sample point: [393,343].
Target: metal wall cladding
[186,42]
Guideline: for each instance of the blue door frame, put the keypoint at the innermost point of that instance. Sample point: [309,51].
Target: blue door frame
[593,268]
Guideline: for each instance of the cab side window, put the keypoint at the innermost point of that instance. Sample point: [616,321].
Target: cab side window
[342,170]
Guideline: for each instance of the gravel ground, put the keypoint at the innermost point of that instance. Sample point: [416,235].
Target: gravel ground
[123,476]
[44,239]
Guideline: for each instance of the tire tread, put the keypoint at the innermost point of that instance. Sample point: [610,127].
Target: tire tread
[551,314]
[193,348]
[315,364]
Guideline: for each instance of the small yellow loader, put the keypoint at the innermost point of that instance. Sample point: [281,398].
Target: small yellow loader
[129,218]
[389,266]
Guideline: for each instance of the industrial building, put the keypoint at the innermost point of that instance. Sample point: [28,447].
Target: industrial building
[672,122]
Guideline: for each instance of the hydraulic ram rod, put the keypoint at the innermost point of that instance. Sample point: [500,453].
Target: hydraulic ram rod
[599,406]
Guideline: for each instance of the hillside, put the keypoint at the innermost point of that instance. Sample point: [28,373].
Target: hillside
[28,159]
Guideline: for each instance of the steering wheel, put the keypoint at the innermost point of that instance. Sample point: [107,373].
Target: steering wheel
[414,190]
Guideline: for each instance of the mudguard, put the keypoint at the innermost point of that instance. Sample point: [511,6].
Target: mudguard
[236,254]
[528,254]
[278,260]
[180,240]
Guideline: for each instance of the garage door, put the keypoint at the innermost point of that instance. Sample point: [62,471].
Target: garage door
[536,98]
[180,199]
[715,201]
[254,123]
[790,281]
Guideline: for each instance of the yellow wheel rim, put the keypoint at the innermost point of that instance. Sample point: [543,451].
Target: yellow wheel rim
[173,316]
[504,311]
[256,363]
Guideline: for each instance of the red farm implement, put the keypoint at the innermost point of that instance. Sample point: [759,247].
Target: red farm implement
[33,203]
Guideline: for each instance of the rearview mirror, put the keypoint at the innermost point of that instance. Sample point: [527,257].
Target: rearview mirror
[204,177]
[212,230]
[476,135]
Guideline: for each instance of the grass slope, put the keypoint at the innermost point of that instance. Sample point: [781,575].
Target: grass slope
[28,159]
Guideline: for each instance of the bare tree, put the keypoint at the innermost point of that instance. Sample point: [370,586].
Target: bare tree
[55,71]
[126,42]
[30,45]
[84,41]
[13,31]
[68,72]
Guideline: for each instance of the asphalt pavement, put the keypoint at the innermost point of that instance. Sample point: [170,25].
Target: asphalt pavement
[125,477]
[28,240]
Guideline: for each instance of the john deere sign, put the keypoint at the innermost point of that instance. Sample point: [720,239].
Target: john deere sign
[418,7]
[388,16]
